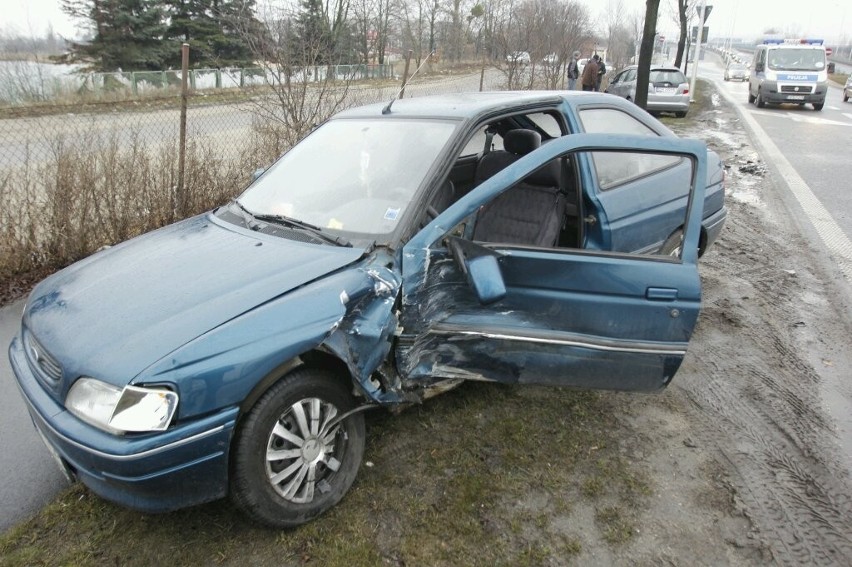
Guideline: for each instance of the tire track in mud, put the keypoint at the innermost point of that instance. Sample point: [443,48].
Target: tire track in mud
[753,394]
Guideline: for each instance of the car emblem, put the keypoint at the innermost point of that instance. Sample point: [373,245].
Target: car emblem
[796,89]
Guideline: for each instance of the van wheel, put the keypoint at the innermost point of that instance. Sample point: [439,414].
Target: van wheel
[845,97]
[291,460]
[818,105]
[750,97]
[758,101]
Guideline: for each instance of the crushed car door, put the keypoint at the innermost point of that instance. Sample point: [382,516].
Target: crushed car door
[521,314]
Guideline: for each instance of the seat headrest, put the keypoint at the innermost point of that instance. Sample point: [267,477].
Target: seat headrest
[521,142]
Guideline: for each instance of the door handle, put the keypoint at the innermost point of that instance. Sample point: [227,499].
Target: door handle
[661,294]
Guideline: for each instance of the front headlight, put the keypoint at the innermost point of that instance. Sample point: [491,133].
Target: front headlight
[118,411]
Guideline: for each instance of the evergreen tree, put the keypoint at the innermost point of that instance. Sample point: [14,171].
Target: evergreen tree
[214,29]
[313,41]
[127,34]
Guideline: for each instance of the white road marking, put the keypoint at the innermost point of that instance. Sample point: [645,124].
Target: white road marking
[828,107]
[838,244]
[846,114]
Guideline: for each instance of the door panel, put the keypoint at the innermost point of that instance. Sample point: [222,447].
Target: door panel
[569,317]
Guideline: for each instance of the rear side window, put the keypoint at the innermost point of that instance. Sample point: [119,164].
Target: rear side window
[667,76]
[612,168]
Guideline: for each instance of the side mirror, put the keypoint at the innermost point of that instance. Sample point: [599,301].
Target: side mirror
[758,67]
[481,269]
[257,173]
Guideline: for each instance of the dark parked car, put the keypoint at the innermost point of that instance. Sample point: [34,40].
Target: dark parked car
[515,237]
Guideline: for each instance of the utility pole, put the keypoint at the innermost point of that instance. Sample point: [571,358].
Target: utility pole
[698,37]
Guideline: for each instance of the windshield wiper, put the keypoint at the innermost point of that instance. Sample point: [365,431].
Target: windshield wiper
[295,223]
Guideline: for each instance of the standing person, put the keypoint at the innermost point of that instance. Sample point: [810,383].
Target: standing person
[573,71]
[590,74]
[601,73]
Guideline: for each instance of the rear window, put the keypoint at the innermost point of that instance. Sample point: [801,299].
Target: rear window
[673,77]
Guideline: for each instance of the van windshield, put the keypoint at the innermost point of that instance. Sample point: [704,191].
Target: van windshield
[796,59]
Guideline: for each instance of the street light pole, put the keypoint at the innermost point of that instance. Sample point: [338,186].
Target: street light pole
[697,50]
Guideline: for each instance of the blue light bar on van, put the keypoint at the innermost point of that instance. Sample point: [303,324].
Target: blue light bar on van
[812,41]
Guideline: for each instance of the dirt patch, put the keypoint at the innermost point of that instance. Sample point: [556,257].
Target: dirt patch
[735,464]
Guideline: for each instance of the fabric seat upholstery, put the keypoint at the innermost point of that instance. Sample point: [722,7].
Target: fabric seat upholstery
[531,212]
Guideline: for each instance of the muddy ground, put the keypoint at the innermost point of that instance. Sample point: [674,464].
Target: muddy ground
[768,361]
[737,463]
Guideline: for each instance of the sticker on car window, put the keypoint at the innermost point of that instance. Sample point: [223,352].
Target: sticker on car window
[391,214]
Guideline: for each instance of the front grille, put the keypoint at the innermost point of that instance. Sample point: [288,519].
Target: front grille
[44,365]
[798,89]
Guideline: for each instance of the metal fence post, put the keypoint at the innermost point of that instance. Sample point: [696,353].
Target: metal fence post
[181,198]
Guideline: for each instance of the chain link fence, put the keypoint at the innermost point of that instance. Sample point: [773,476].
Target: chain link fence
[77,176]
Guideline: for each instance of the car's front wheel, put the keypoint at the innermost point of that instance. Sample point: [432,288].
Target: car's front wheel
[293,458]
[758,101]
[818,105]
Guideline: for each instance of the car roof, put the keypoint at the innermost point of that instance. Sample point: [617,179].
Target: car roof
[466,105]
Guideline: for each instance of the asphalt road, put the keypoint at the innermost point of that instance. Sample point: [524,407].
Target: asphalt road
[30,476]
[816,144]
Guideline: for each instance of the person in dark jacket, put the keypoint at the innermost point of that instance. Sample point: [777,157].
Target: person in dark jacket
[601,73]
[573,71]
[590,74]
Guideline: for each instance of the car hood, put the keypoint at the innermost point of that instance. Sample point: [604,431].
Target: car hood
[115,313]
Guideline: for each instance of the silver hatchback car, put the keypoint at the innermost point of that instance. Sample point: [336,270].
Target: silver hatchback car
[668,89]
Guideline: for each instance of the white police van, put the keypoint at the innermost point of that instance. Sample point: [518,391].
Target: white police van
[788,71]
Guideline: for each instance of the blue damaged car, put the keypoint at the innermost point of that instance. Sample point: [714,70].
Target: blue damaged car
[396,251]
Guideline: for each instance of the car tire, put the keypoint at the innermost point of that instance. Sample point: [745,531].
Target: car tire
[818,106]
[680,114]
[673,244]
[290,421]
[758,100]
[750,97]
[845,97]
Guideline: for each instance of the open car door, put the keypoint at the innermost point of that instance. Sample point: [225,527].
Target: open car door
[521,314]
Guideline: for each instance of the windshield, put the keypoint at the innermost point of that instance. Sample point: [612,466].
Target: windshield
[355,176]
[796,59]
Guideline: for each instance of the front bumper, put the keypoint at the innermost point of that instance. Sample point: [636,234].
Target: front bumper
[773,92]
[158,472]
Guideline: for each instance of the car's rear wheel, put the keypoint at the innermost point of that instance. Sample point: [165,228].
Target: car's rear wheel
[673,245]
[680,114]
[293,459]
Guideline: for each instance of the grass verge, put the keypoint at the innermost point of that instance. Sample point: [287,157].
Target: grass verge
[486,474]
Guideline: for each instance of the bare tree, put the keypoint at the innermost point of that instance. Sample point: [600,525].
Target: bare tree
[646,51]
[303,95]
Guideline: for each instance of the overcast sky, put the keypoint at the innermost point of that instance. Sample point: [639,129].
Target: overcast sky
[740,18]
